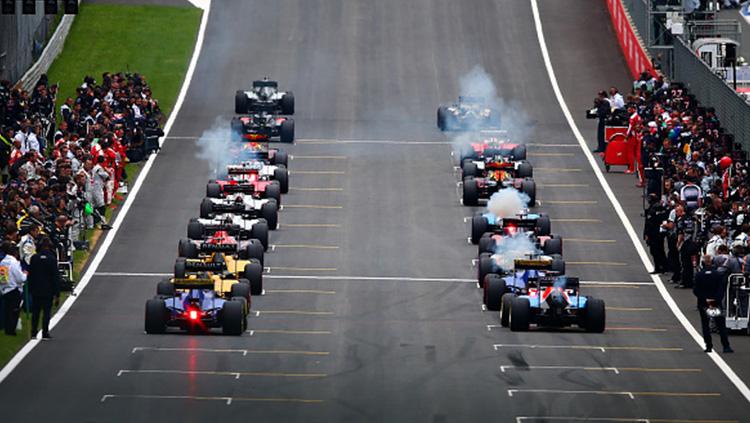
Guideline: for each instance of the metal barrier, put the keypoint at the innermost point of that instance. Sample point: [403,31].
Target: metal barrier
[22,38]
[50,53]
[711,91]
[725,28]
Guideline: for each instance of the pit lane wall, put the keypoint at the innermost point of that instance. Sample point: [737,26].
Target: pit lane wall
[631,44]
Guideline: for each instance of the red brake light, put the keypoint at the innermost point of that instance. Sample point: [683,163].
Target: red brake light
[193,314]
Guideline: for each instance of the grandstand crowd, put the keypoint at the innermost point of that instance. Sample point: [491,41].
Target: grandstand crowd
[63,161]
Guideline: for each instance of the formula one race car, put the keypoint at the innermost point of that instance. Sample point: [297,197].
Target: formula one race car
[226,270]
[492,146]
[489,164]
[514,281]
[258,151]
[469,113]
[230,248]
[495,180]
[193,304]
[264,97]
[548,244]
[262,127]
[258,170]
[233,225]
[482,223]
[244,205]
[501,264]
[553,301]
[251,184]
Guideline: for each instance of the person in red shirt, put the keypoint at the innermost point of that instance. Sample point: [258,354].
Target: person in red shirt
[634,129]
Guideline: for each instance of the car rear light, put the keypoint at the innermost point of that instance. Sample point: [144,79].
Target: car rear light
[193,315]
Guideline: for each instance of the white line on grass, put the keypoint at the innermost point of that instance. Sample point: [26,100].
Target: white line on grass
[91,270]
[738,383]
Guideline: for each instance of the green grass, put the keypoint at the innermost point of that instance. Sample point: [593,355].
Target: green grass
[155,41]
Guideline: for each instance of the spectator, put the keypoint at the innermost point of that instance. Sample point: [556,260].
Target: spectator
[43,285]
[602,113]
[709,290]
[653,234]
[616,100]
[11,285]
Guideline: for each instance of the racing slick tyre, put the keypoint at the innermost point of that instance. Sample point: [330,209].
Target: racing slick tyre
[494,288]
[528,187]
[519,152]
[471,192]
[195,230]
[213,190]
[253,273]
[595,318]
[520,314]
[281,174]
[470,169]
[270,212]
[442,114]
[233,318]
[286,132]
[179,267]
[486,245]
[236,129]
[245,307]
[240,289]
[207,208]
[505,306]
[558,264]
[253,250]
[156,316]
[280,158]
[259,231]
[165,288]
[543,225]
[273,190]
[553,245]
[478,228]
[485,267]
[240,102]
[287,104]
[525,170]
[187,249]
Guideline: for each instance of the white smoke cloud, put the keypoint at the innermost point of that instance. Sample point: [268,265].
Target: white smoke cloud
[478,83]
[518,246]
[216,147]
[507,202]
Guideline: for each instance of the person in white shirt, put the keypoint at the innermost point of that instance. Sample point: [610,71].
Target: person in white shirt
[718,238]
[12,279]
[615,99]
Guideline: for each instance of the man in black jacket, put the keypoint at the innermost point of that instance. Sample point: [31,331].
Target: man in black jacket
[709,289]
[44,285]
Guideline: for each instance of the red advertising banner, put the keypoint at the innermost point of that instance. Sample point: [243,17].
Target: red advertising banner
[635,54]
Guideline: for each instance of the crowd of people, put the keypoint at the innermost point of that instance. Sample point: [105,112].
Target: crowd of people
[695,179]
[61,168]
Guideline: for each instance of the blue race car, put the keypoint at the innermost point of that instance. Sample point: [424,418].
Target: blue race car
[553,301]
[194,304]
[516,281]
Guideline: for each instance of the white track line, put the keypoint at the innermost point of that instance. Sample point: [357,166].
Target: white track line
[728,371]
[102,252]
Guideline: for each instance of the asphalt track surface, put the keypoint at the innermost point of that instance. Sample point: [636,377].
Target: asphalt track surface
[393,347]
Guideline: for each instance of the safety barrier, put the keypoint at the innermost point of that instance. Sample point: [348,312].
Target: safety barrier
[631,44]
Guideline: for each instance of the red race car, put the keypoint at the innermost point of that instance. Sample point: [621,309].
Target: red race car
[492,146]
[247,183]
[263,127]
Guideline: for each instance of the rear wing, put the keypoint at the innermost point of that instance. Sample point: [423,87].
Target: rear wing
[519,222]
[208,247]
[192,283]
[238,188]
[566,282]
[206,266]
[532,264]
[241,170]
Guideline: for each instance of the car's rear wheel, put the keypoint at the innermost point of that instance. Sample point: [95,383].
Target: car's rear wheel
[558,264]
[485,267]
[519,152]
[156,316]
[520,314]
[270,212]
[187,249]
[470,169]
[180,268]
[287,104]
[441,118]
[195,230]
[553,245]
[543,225]
[240,289]
[494,288]
[165,288]
[213,190]
[280,158]
[233,318]
[479,226]
[596,316]
[259,231]
[207,208]
[525,170]
[240,102]
[486,244]
[273,190]
[253,250]
[505,306]
[253,272]
[286,132]
[528,187]
[470,192]
[281,174]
